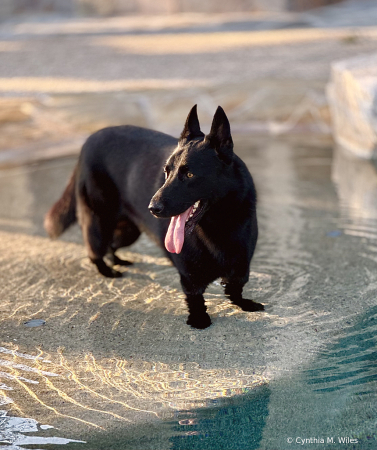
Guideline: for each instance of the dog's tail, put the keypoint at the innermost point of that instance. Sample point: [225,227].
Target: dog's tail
[63,213]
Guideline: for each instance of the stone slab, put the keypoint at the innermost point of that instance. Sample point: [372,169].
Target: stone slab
[352,96]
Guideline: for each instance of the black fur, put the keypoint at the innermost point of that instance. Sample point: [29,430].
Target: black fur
[118,173]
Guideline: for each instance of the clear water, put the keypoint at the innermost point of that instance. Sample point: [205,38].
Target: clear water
[115,365]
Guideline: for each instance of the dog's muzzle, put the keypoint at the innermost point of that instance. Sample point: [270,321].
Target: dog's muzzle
[155,208]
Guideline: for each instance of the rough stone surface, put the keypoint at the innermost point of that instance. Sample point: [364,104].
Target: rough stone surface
[352,95]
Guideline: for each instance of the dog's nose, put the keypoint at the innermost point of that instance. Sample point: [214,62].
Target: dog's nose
[155,208]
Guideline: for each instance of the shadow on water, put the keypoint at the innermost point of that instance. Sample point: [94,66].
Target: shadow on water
[236,423]
[348,371]
[334,401]
[352,361]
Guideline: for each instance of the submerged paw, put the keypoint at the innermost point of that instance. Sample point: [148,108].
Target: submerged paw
[249,305]
[116,274]
[199,321]
[121,262]
[111,273]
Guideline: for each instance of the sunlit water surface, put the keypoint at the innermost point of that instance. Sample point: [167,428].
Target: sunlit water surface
[115,367]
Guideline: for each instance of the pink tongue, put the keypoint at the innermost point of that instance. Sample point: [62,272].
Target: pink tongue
[175,235]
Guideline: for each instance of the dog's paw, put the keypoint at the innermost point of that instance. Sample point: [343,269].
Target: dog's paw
[249,305]
[199,321]
[116,274]
[111,273]
[105,270]
[121,262]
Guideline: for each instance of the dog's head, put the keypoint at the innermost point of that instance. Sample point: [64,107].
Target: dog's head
[197,174]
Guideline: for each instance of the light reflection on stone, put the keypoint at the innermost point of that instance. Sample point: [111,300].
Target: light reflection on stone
[115,386]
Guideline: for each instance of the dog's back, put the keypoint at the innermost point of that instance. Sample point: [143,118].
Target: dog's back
[125,164]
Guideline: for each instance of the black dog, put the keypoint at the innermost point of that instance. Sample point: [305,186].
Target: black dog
[204,211]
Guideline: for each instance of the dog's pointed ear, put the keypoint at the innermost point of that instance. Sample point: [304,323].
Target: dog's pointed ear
[220,137]
[192,127]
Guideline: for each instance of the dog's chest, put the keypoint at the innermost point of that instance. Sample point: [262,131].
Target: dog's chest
[216,255]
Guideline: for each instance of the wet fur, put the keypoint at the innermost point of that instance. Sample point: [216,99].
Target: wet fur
[120,170]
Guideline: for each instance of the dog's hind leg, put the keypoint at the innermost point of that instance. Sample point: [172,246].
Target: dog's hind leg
[97,234]
[125,234]
[198,316]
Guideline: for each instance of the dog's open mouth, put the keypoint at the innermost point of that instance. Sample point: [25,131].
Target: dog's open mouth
[182,224]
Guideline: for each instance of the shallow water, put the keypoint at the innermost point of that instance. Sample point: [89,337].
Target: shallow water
[116,366]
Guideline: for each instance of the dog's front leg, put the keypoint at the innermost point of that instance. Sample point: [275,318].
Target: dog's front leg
[233,290]
[198,316]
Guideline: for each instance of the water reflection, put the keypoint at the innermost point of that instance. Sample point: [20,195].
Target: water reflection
[12,435]
[356,183]
[112,388]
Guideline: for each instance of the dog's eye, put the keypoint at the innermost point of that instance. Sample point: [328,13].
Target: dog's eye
[189,175]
